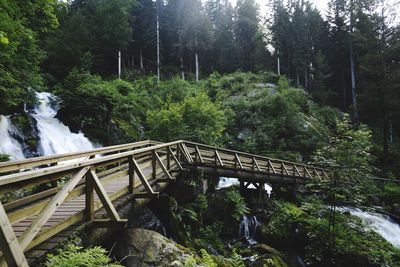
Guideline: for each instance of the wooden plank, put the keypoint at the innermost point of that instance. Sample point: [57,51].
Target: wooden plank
[238,161]
[175,158]
[256,164]
[284,167]
[131,176]
[89,199]
[12,251]
[218,158]
[37,161]
[141,176]
[163,168]
[102,194]
[199,154]
[271,166]
[50,208]
[297,170]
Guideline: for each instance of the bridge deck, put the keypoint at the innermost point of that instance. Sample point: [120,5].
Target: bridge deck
[85,182]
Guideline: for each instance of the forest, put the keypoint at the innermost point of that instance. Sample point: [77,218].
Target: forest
[293,82]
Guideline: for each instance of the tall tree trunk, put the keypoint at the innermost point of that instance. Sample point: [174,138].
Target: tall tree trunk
[196,58]
[297,77]
[181,55]
[352,69]
[279,64]
[141,59]
[119,64]
[158,43]
[305,77]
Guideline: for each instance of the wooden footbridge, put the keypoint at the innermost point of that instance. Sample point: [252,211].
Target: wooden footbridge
[54,193]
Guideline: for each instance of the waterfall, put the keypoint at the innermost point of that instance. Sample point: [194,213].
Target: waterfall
[382,224]
[248,227]
[55,137]
[8,144]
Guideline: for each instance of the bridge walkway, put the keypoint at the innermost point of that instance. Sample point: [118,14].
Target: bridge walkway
[54,193]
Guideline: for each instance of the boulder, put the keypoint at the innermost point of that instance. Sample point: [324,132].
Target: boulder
[141,247]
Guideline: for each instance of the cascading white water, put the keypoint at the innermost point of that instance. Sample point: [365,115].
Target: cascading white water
[55,137]
[248,227]
[8,145]
[382,224]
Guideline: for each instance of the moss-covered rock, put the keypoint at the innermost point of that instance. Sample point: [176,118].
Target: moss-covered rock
[142,247]
[268,256]
[26,132]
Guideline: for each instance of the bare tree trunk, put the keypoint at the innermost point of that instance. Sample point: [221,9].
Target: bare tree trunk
[181,55]
[196,58]
[119,64]
[141,59]
[305,77]
[297,77]
[352,70]
[158,44]
[279,65]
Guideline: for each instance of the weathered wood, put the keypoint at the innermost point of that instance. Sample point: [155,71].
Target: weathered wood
[175,158]
[256,164]
[102,194]
[199,154]
[237,159]
[163,168]
[141,176]
[37,161]
[218,158]
[50,208]
[12,251]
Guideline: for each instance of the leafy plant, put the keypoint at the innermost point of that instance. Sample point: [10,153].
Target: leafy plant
[73,256]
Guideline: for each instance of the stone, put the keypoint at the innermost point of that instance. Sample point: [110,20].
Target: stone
[142,247]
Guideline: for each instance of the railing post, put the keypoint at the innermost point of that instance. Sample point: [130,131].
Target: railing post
[131,174]
[12,251]
[89,198]
[153,164]
[281,168]
[168,158]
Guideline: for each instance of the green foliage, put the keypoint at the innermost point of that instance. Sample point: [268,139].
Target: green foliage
[73,256]
[308,228]
[278,121]
[348,152]
[195,118]
[228,207]
[21,23]
[4,157]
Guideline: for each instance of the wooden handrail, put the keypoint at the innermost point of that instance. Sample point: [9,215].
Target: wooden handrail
[233,152]
[38,161]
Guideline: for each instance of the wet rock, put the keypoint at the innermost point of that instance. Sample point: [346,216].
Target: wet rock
[145,218]
[268,256]
[25,131]
[141,247]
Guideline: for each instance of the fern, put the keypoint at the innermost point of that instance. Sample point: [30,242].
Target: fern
[72,256]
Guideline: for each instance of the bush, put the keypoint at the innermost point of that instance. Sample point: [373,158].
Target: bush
[195,118]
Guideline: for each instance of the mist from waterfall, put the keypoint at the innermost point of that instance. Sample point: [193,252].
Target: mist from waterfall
[8,145]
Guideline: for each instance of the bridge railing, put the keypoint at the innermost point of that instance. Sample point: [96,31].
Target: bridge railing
[155,163]
[136,167]
[226,158]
